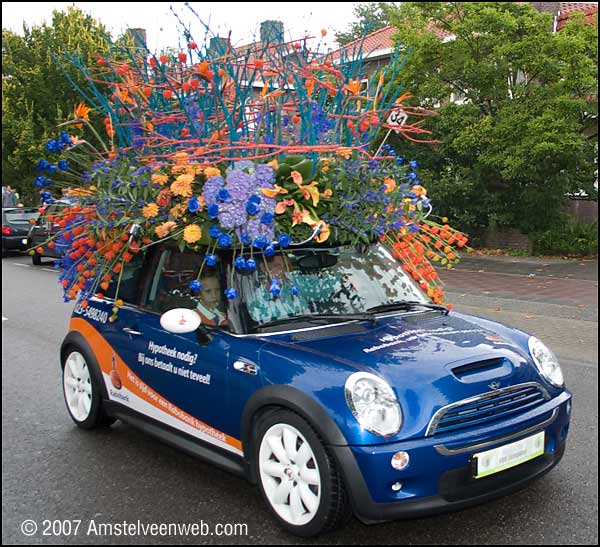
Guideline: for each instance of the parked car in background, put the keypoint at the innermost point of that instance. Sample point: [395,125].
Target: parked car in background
[43,230]
[16,222]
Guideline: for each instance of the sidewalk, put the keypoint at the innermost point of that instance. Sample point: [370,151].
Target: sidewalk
[550,287]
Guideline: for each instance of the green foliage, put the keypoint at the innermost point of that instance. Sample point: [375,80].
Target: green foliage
[516,104]
[371,16]
[567,239]
[36,93]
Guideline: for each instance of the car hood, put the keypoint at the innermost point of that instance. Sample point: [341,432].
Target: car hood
[430,359]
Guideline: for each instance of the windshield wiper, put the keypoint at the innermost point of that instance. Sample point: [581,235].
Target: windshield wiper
[318,317]
[406,305]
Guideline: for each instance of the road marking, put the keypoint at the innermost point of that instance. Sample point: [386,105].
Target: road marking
[50,270]
[22,265]
[4,318]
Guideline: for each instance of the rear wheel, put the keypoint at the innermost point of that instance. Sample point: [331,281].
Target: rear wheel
[83,394]
[298,478]
[36,259]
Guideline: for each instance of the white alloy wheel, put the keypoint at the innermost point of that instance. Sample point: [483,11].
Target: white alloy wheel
[78,386]
[290,474]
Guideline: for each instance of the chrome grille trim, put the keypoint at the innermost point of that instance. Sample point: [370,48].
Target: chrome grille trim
[490,395]
[445,451]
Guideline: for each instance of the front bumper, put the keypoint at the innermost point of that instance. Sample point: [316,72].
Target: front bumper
[440,476]
[15,243]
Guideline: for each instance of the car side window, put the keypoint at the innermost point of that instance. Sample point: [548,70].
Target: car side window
[170,287]
[129,286]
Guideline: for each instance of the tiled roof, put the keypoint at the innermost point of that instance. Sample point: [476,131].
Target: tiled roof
[588,9]
[380,40]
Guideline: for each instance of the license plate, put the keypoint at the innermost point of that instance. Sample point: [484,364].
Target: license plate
[509,455]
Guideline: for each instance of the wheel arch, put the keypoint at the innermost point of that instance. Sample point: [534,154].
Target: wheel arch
[275,397]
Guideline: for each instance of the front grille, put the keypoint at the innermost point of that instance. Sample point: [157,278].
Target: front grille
[487,408]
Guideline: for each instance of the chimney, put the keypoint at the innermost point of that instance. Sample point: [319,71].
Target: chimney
[138,36]
[271,32]
[217,46]
[547,7]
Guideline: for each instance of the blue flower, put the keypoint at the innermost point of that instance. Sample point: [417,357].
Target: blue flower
[214,231]
[399,160]
[240,263]
[65,138]
[413,164]
[224,240]
[260,242]
[213,211]
[254,199]
[252,208]
[195,285]
[284,241]
[42,165]
[267,219]
[211,259]
[294,290]
[269,250]
[63,165]
[245,238]
[251,264]
[224,195]
[51,168]
[193,205]
[231,294]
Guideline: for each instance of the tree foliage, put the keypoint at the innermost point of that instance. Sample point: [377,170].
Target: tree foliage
[517,109]
[371,16]
[36,92]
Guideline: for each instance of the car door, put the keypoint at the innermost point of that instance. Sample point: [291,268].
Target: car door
[177,379]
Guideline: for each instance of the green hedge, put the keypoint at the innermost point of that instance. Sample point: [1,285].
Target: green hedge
[568,239]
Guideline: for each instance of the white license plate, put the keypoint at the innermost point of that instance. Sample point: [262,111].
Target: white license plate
[509,455]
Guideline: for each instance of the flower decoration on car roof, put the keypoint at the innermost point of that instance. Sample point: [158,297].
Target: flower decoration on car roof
[249,149]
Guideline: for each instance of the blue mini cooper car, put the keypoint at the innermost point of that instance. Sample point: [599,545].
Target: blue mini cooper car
[344,392]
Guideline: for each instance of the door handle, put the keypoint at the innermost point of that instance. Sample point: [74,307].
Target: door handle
[131,331]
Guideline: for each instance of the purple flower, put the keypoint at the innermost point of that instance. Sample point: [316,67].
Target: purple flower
[232,215]
[211,188]
[264,174]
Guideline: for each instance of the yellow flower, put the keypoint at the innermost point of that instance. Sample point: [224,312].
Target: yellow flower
[157,178]
[276,190]
[211,172]
[390,184]
[192,233]
[150,210]
[274,164]
[324,233]
[163,229]
[327,193]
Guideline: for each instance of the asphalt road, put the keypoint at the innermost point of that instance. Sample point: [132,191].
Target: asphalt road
[52,471]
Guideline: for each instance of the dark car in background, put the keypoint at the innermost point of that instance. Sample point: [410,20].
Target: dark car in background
[43,230]
[16,223]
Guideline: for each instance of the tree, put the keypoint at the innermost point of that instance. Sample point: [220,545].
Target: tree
[516,103]
[371,17]
[36,92]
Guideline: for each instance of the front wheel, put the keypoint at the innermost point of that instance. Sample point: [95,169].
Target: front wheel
[83,395]
[298,478]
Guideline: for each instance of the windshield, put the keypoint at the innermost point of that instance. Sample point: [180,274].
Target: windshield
[337,281]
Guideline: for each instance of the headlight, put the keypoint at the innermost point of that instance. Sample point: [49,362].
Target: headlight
[546,362]
[373,404]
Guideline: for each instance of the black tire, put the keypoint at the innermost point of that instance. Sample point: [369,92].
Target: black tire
[333,509]
[97,416]
[36,259]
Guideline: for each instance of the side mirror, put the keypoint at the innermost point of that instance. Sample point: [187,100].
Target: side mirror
[180,320]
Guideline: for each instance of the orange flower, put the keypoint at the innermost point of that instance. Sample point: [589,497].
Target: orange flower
[183,186]
[211,172]
[203,70]
[344,152]
[390,184]
[177,211]
[81,112]
[296,177]
[276,190]
[353,87]
[327,193]
[163,229]
[157,178]
[192,233]
[274,164]
[282,206]
[324,233]
[150,210]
